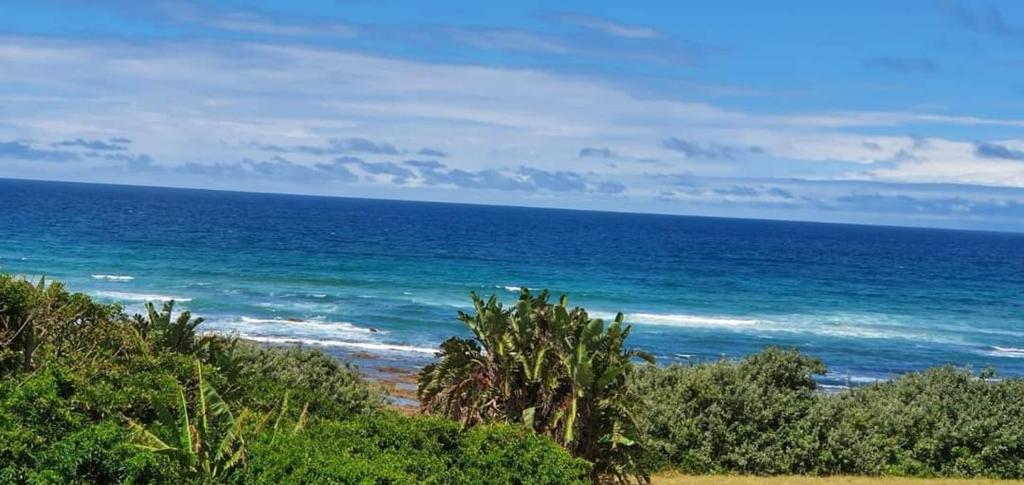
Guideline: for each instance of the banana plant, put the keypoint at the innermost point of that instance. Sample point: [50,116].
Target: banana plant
[177,335]
[546,365]
[208,444]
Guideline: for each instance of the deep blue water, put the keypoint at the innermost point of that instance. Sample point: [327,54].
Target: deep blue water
[870,301]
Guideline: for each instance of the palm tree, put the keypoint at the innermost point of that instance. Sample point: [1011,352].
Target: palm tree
[548,366]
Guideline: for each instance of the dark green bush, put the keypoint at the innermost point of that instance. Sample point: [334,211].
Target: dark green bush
[762,415]
[728,416]
[49,434]
[390,448]
[942,422]
[504,453]
[331,388]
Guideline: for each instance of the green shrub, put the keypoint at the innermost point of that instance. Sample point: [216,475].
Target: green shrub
[40,322]
[331,388]
[727,416]
[390,448]
[942,422]
[47,436]
[762,415]
[100,453]
[514,454]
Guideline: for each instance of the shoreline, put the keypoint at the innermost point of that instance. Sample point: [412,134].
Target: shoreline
[400,386]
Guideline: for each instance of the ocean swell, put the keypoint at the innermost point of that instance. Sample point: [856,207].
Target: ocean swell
[126,296]
[112,277]
[380,347]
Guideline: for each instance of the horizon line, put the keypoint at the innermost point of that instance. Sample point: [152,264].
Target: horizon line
[513,206]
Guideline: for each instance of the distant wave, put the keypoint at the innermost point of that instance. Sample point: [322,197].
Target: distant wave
[683,320]
[832,388]
[1011,352]
[863,379]
[291,306]
[125,296]
[678,319]
[340,343]
[112,277]
[864,326]
[314,323]
[510,289]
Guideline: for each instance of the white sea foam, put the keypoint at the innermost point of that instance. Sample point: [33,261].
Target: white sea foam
[316,323]
[683,320]
[112,277]
[510,289]
[300,306]
[126,296]
[859,326]
[832,388]
[679,319]
[1011,352]
[862,379]
[341,343]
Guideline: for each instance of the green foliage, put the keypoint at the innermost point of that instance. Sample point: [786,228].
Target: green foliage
[390,448]
[208,444]
[75,375]
[47,434]
[163,333]
[67,404]
[763,415]
[546,365]
[504,453]
[40,322]
[728,416]
[944,422]
[330,388]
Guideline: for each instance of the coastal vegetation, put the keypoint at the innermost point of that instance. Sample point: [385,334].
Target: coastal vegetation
[89,394]
[540,393]
[765,415]
[549,367]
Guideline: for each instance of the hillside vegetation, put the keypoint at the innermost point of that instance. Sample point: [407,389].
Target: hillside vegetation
[89,394]
[540,393]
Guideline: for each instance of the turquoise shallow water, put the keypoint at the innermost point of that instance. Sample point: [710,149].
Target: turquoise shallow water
[382,280]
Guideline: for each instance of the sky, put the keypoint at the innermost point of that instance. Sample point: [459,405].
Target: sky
[875,112]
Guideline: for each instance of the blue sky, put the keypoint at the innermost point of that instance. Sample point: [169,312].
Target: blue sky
[908,113]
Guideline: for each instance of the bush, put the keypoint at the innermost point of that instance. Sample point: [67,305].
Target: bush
[332,389]
[763,415]
[942,422]
[514,454]
[39,322]
[726,416]
[390,448]
[49,434]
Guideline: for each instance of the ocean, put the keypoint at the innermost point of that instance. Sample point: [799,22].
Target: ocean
[380,282]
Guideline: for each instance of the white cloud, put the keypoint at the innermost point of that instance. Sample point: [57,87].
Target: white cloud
[208,103]
[609,27]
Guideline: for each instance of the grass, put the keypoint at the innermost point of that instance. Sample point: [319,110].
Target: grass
[676,479]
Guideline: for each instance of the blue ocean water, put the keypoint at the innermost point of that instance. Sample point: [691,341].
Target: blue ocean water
[381,281]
